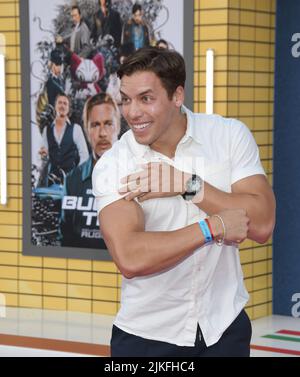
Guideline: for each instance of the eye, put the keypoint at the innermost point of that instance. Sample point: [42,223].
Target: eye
[147,99]
[125,100]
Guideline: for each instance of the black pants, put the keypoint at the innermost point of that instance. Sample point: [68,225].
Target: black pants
[235,342]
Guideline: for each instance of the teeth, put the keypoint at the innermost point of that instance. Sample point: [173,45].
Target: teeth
[141,126]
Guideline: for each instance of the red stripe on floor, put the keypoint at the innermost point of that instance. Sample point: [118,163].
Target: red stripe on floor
[55,345]
[275,350]
[289,332]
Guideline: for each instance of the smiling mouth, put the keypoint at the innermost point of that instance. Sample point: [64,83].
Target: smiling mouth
[140,127]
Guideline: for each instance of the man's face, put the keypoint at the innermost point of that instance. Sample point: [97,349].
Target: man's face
[147,108]
[103,128]
[56,69]
[137,17]
[75,16]
[62,107]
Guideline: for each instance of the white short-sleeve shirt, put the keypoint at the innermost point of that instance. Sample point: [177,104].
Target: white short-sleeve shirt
[207,287]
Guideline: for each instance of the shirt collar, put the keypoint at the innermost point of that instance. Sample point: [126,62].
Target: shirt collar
[67,123]
[191,132]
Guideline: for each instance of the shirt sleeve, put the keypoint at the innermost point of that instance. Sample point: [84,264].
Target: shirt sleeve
[245,160]
[80,142]
[106,178]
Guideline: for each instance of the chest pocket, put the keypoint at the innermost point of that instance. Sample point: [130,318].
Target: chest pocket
[218,174]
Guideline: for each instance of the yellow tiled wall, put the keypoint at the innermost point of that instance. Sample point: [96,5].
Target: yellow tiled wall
[36,282]
[242,35]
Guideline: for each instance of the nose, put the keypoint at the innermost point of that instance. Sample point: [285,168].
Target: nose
[134,111]
[102,132]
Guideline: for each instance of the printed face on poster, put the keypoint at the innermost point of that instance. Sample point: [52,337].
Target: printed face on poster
[73,50]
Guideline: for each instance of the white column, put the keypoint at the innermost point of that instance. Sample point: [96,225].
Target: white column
[209,81]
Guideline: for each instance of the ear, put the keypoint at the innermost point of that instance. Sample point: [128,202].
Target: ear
[178,96]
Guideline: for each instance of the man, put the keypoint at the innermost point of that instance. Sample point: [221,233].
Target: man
[135,30]
[55,84]
[107,21]
[63,142]
[80,37]
[80,227]
[174,236]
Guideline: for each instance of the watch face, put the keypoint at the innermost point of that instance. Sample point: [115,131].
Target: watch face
[194,184]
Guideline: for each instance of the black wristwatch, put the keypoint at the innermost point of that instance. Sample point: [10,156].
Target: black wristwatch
[193,187]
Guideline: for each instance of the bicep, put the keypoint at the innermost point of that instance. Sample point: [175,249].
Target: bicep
[118,221]
[254,185]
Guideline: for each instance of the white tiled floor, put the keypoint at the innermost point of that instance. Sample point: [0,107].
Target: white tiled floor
[6,351]
[80,327]
[269,326]
[96,329]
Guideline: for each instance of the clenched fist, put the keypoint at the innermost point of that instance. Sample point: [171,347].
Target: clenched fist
[236,225]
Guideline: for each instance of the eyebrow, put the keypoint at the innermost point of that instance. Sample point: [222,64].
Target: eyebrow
[140,94]
[104,121]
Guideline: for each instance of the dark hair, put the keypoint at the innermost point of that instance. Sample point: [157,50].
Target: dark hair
[77,7]
[56,57]
[169,66]
[126,49]
[136,7]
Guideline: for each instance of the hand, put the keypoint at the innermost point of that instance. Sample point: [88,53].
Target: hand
[59,39]
[43,152]
[236,225]
[156,180]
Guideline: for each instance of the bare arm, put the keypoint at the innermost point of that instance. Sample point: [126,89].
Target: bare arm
[139,253]
[254,195]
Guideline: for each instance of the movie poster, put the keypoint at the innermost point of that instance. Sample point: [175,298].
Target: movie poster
[77,52]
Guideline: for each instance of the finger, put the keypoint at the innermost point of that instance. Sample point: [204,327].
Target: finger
[143,187]
[144,197]
[133,177]
[123,190]
[132,195]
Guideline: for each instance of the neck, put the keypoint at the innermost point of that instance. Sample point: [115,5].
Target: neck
[60,121]
[167,143]
[104,10]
